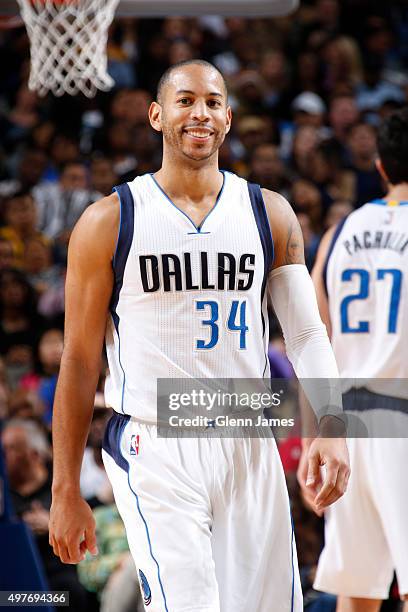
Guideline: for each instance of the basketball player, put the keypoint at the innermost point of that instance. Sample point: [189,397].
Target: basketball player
[364,265]
[174,270]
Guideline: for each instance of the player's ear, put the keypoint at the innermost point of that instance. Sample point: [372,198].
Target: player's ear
[155,112]
[380,168]
[229,119]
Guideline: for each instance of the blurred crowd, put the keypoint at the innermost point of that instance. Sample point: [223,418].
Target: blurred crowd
[307,91]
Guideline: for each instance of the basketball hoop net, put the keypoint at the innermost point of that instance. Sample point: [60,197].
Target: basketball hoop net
[68,41]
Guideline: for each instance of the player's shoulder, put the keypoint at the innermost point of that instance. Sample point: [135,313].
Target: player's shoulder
[99,224]
[102,212]
[277,207]
[285,228]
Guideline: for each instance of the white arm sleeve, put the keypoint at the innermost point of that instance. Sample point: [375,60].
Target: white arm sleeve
[291,291]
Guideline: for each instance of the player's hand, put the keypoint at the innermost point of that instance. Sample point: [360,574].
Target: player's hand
[72,528]
[322,487]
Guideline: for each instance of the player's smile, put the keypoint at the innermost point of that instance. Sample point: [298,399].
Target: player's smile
[197,134]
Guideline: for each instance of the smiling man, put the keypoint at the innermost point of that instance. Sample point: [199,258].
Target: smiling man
[175,270]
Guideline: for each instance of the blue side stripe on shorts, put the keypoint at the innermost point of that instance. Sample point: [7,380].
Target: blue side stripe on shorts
[111,444]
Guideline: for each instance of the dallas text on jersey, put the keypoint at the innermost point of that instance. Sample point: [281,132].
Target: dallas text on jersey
[221,271]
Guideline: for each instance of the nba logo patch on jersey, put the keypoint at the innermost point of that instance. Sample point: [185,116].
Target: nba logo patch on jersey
[134,444]
[147,594]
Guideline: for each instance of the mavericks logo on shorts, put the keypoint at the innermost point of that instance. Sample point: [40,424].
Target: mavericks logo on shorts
[147,594]
[134,444]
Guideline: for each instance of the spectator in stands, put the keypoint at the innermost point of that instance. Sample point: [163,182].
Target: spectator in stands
[328,174]
[308,109]
[29,172]
[103,176]
[7,254]
[27,455]
[307,199]
[4,390]
[336,213]
[60,204]
[267,169]
[22,118]
[343,113]
[94,483]
[20,324]
[25,404]
[64,149]
[305,143]
[367,180]
[43,379]
[130,106]
[20,216]
[343,65]
[41,272]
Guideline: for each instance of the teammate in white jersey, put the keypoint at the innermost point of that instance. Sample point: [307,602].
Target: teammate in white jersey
[364,265]
[175,270]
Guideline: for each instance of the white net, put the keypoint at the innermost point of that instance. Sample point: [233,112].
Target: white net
[68,41]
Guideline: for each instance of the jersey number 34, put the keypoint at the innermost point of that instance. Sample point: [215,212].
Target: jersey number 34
[237,312]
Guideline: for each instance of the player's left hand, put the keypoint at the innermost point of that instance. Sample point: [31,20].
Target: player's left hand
[322,487]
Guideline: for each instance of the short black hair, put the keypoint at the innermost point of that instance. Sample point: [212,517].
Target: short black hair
[392,145]
[164,79]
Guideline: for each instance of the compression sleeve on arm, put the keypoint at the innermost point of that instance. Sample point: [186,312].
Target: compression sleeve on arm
[308,347]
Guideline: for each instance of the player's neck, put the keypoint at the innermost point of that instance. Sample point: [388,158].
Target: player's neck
[397,192]
[196,183]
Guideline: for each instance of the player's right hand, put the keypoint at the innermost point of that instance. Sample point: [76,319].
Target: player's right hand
[72,528]
[318,488]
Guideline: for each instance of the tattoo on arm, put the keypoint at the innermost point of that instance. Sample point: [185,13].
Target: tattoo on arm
[294,245]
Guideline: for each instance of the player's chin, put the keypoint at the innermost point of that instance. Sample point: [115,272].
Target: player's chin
[199,155]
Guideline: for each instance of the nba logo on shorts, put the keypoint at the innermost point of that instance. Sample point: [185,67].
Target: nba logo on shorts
[134,444]
[147,594]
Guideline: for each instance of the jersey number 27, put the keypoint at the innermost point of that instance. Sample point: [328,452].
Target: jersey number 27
[363,293]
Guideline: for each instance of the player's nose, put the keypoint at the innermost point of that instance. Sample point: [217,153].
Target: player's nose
[200,111]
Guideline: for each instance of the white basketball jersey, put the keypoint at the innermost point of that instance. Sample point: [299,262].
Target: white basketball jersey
[188,301]
[366,277]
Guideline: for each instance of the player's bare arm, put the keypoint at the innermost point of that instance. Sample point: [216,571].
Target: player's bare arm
[88,291]
[287,235]
[294,301]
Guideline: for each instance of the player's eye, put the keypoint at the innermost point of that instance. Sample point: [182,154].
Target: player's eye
[184,101]
[214,103]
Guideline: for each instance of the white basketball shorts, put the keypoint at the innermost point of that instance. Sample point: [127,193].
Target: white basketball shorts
[366,533]
[207,519]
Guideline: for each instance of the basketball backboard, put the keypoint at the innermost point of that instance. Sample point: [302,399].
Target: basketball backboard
[163,8]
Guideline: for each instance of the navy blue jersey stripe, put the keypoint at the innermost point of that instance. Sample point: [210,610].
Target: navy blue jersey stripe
[126,230]
[264,228]
[329,252]
[265,235]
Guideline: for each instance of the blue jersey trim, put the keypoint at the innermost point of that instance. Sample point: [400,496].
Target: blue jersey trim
[113,433]
[123,244]
[329,252]
[197,228]
[265,235]
[391,203]
[111,444]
